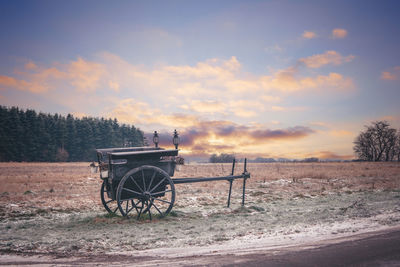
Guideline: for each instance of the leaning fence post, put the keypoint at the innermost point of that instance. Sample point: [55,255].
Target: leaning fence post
[230,190]
[230,182]
[244,179]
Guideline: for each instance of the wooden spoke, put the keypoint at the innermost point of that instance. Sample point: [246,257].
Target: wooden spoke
[152,178]
[132,191]
[161,192]
[144,183]
[158,184]
[141,187]
[162,200]
[137,184]
[136,207]
[154,205]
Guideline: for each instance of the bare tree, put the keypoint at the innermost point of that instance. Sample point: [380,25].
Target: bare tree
[391,147]
[377,142]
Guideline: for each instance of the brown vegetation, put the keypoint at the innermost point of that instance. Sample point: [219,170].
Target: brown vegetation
[33,187]
[55,208]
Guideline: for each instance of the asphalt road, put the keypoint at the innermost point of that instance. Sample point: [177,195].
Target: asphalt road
[377,249]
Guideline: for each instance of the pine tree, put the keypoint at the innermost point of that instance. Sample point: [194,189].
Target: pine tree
[31,136]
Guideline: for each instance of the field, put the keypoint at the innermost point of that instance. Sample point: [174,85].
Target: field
[55,209]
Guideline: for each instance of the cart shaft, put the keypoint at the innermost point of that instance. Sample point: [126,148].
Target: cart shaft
[207,179]
[245,175]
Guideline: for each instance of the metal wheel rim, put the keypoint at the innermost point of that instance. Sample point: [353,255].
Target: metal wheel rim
[110,205]
[146,200]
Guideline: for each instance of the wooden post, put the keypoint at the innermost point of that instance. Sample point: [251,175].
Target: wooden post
[244,180]
[230,190]
[230,183]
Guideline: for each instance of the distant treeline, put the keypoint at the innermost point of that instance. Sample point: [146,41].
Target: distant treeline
[269,160]
[222,158]
[31,136]
[228,158]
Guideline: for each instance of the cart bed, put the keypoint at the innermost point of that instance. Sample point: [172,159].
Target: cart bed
[118,161]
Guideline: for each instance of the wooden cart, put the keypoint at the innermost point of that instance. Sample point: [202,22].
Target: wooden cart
[137,180]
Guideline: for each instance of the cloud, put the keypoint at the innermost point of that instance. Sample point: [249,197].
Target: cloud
[320,125]
[30,65]
[309,35]
[273,49]
[386,75]
[82,75]
[329,57]
[208,106]
[79,114]
[221,81]
[331,155]
[85,75]
[392,75]
[208,137]
[114,85]
[8,81]
[270,99]
[240,108]
[201,136]
[239,138]
[277,108]
[289,133]
[169,96]
[287,109]
[341,133]
[288,80]
[35,81]
[339,33]
[131,111]
[11,82]
[208,69]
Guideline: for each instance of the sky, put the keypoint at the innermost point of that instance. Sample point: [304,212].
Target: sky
[276,79]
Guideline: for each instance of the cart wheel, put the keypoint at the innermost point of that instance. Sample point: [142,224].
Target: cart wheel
[110,205]
[146,191]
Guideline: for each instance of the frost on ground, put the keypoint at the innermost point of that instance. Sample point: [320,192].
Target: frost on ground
[285,203]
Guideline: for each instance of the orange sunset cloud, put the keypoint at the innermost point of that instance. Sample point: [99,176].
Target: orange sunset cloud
[339,33]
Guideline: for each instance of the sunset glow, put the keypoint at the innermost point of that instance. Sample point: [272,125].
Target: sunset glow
[289,79]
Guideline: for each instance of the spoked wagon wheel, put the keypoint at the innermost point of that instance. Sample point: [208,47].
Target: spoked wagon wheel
[146,191]
[110,205]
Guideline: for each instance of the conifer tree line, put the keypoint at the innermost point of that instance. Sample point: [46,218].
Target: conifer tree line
[31,136]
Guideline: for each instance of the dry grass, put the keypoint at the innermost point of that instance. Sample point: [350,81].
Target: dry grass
[70,187]
[56,207]
[291,179]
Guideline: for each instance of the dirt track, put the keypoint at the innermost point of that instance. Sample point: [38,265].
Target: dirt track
[54,209]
